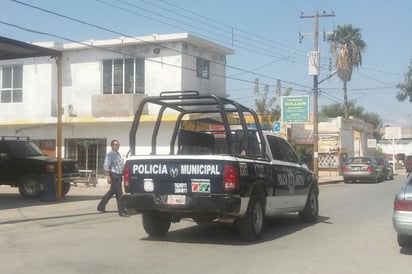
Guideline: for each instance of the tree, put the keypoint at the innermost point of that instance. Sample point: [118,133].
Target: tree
[406,87]
[335,110]
[347,46]
[267,106]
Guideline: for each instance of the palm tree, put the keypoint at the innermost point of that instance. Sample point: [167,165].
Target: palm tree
[347,46]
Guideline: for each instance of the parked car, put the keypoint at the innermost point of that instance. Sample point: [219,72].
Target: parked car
[402,214]
[408,163]
[365,169]
[387,170]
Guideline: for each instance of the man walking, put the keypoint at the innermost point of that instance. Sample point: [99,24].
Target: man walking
[113,170]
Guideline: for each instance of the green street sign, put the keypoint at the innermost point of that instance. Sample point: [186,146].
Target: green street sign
[295,109]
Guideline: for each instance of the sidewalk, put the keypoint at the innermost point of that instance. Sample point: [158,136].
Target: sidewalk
[333,177]
[329,177]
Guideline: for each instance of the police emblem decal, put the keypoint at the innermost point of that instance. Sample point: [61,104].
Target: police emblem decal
[174,171]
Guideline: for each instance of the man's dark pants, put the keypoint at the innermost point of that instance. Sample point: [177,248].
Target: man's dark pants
[115,189]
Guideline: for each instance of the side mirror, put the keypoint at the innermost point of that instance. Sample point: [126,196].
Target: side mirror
[307,159]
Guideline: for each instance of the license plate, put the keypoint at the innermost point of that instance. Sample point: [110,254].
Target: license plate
[356,168]
[176,199]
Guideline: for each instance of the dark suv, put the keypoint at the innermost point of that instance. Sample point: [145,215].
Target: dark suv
[22,165]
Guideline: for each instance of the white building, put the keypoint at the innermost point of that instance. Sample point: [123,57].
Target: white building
[395,146]
[102,85]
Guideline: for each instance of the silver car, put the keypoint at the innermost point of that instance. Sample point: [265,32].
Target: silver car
[361,169]
[402,214]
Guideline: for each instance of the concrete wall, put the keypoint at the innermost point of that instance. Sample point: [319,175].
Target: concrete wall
[170,65]
[166,69]
[38,95]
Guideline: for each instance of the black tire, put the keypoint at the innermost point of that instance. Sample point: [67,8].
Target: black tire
[390,175]
[404,240]
[29,186]
[66,188]
[311,211]
[155,224]
[252,224]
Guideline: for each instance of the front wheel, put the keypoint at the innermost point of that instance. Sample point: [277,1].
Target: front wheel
[311,211]
[252,224]
[66,188]
[155,224]
[29,187]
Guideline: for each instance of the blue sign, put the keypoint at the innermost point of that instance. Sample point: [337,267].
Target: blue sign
[276,126]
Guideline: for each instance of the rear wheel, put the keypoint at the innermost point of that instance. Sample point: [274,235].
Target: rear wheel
[311,211]
[404,240]
[155,224]
[29,186]
[252,224]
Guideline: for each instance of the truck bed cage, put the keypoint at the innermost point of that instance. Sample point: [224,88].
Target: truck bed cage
[188,102]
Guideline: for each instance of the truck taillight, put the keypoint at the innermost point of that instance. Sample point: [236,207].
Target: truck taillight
[126,176]
[230,177]
[403,205]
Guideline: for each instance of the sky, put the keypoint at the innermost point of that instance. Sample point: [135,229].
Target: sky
[264,35]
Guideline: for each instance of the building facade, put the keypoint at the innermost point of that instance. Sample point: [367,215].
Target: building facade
[338,139]
[102,85]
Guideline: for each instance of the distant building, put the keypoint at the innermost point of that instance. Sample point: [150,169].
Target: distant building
[338,139]
[102,84]
[395,147]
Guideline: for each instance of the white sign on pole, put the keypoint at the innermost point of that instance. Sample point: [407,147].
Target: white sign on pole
[372,143]
[314,62]
[393,133]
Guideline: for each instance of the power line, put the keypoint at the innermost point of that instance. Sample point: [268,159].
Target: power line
[258,47]
[254,35]
[153,43]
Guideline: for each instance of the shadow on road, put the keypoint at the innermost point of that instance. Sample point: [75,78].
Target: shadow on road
[218,233]
[63,217]
[14,200]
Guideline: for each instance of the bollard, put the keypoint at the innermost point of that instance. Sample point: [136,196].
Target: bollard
[48,187]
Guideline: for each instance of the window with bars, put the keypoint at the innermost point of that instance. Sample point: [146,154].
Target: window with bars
[123,76]
[202,68]
[11,84]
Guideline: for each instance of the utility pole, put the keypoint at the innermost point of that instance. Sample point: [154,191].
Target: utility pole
[315,87]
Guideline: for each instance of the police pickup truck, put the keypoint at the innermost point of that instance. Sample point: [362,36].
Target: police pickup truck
[207,158]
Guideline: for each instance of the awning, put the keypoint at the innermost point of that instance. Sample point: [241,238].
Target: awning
[13,49]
